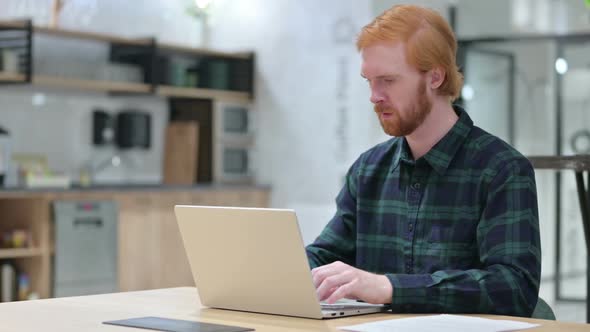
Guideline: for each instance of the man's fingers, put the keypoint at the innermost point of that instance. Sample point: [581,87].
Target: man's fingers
[343,291]
[319,274]
[332,283]
[338,280]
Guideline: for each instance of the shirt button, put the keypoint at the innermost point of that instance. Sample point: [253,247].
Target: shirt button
[410,227]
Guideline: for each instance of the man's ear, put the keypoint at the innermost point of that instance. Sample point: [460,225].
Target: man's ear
[437,77]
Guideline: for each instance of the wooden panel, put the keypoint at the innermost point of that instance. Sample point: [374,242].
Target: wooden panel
[203,51]
[84,313]
[200,111]
[46,242]
[139,243]
[29,214]
[17,24]
[174,91]
[151,253]
[174,268]
[181,153]
[32,215]
[91,85]
[11,77]
[91,36]
[19,252]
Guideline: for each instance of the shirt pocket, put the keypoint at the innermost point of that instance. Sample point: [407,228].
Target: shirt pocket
[443,233]
[451,256]
[450,244]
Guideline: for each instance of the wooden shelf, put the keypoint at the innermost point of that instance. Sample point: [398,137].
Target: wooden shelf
[75,34]
[203,51]
[13,24]
[20,252]
[11,77]
[91,85]
[174,91]
[91,36]
[123,40]
[80,84]
[129,87]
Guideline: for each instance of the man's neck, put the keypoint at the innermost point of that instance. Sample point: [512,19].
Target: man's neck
[436,125]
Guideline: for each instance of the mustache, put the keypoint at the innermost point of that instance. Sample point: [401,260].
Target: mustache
[384,109]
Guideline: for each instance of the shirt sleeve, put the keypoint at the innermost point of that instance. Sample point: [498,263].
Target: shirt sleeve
[337,241]
[507,280]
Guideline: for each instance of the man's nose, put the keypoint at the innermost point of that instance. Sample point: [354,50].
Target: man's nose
[376,97]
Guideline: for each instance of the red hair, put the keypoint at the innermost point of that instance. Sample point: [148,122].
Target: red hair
[429,41]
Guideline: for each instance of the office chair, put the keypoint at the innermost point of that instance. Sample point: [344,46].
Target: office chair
[543,310]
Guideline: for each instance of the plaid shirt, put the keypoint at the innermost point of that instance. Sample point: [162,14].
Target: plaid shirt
[455,231]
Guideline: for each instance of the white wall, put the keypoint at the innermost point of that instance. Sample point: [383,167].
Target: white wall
[314,111]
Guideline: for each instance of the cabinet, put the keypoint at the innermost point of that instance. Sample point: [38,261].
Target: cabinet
[157,68]
[85,247]
[30,214]
[150,250]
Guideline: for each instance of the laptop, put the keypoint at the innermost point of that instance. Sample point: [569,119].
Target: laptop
[253,259]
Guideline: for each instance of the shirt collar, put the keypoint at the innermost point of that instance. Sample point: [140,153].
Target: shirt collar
[402,153]
[442,153]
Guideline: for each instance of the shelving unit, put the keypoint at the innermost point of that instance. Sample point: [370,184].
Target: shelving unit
[35,261]
[152,57]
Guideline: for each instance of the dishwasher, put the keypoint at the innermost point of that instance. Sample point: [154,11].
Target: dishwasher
[85,257]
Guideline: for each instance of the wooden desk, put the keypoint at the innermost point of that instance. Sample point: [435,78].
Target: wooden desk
[86,313]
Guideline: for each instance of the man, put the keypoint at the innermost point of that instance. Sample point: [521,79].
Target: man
[442,217]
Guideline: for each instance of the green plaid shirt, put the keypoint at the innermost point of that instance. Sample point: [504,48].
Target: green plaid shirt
[455,231]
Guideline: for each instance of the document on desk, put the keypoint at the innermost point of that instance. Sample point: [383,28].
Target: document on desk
[441,323]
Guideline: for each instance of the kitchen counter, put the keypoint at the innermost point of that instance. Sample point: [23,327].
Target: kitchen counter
[150,250]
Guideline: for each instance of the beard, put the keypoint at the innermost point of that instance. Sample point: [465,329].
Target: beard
[403,124]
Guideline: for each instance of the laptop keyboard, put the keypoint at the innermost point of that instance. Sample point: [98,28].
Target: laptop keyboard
[329,307]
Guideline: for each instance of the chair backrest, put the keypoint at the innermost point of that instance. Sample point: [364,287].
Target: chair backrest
[543,310]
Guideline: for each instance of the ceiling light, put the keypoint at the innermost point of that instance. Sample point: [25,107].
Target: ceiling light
[467,92]
[203,4]
[561,66]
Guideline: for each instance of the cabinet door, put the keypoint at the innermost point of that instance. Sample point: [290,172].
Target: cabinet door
[85,247]
[139,243]
[151,252]
[174,267]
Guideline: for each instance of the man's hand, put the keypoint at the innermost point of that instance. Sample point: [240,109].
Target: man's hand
[338,280]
